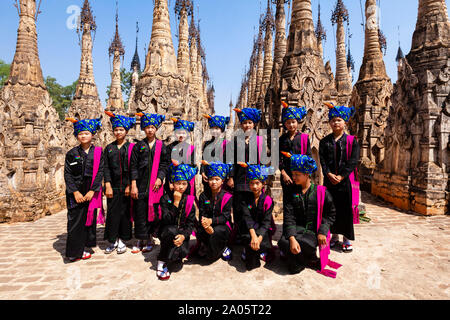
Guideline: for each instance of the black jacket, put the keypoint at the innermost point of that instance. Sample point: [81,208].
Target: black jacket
[211,210]
[293,146]
[173,216]
[116,170]
[254,216]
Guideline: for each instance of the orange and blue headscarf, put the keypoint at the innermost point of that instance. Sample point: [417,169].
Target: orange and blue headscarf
[301,163]
[256,171]
[249,114]
[292,113]
[217,169]
[183,125]
[151,119]
[181,172]
[217,121]
[121,121]
[91,125]
[340,112]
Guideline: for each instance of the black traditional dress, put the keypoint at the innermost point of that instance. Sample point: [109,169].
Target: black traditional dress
[333,158]
[215,144]
[259,218]
[78,172]
[174,221]
[117,173]
[300,221]
[219,210]
[182,150]
[142,159]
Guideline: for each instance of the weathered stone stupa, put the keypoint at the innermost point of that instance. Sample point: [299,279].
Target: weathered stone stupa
[31,156]
[414,172]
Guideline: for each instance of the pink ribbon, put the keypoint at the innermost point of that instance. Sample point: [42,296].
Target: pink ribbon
[96,201]
[154,196]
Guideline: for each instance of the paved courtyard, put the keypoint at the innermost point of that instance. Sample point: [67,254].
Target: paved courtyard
[396,256]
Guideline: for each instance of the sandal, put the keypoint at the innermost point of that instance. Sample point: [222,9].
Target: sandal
[163,274]
[121,250]
[147,248]
[110,249]
[86,255]
[347,247]
[137,248]
[74,259]
[333,242]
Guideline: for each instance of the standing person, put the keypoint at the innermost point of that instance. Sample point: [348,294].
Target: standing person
[249,118]
[257,218]
[117,185]
[83,174]
[182,151]
[338,163]
[215,203]
[301,233]
[177,220]
[149,163]
[217,143]
[293,142]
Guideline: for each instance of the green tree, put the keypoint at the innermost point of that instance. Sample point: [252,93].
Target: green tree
[61,96]
[125,85]
[4,72]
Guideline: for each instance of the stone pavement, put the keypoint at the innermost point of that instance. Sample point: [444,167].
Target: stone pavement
[396,256]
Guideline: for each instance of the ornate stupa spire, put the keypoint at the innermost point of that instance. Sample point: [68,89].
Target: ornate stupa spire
[136,62]
[183,9]
[343,82]
[115,101]
[320,32]
[259,61]
[26,67]
[86,102]
[269,25]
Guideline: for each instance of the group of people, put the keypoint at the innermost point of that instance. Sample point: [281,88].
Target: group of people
[150,187]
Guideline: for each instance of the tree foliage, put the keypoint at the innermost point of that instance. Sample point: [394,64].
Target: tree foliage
[61,96]
[4,72]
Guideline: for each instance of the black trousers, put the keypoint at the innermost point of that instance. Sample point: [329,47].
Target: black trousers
[143,229]
[252,259]
[78,235]
[118,223]
[239,224]
[216,242]
[297,262]
[169,252]
[342,199]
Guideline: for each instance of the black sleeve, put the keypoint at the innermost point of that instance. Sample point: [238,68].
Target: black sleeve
[353,161]
[229,149]
[328,215]
[226,213]
[201,206]
[265,224]
[68,176]
[99,177]
[107,171]
[282,165]
[166,212]
[189,225]
[322,153]
[289,221]
[164,162]
[308,150]
[134,163]
[250,223]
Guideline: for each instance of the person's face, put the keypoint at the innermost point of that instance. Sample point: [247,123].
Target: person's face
[120,133]
[291,125]
[337,124]
[181,135]
[84,137]
[256,186]
[150,132]
[215,183]
[215,132]
[180,186]
[247,125]
[299,178]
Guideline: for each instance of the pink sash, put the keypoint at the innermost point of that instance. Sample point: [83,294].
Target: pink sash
[130,150]
[154,197]
[227,196]
[354,182]
[304,143]
[267,204]
[324,250]
[259,145]
[192,182]
[96,201]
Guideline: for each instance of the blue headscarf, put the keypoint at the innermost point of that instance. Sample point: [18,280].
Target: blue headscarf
[256,171]
[292,113]
[302,163]
[182,172]
[121,121]
[151,119]
[249,114]
[183,124]
[340,111]
[91,125]
[217,121]
[217,169]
